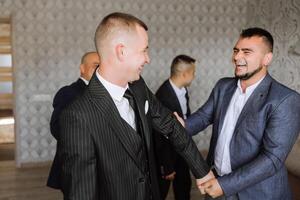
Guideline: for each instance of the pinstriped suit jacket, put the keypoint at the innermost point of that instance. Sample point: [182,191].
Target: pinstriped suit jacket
[98,161]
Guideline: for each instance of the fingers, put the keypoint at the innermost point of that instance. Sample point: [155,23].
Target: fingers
[207,177]
[213,188]
[170,177]
[204,179]
[179,119]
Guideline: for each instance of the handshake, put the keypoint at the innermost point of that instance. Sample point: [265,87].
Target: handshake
[208,184]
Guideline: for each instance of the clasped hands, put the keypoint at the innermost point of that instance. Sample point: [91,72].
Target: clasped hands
[208,184]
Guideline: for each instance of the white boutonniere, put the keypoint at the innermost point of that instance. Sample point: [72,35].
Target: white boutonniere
[146,107]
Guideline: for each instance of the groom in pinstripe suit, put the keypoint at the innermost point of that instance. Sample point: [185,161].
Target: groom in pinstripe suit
[106,134]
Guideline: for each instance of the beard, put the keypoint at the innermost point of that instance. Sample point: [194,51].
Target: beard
[248,75]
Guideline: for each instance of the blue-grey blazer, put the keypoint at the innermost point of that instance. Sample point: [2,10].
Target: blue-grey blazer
[265,132]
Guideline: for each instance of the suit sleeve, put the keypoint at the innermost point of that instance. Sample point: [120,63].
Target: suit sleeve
[54,122]
[165,153]
[61,99]
[166,123]
[202,118]
[77,154]
[281,131]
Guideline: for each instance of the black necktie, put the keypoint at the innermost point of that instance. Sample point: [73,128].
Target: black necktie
[128,95]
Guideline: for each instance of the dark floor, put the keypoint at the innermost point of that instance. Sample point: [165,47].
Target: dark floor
[7,152]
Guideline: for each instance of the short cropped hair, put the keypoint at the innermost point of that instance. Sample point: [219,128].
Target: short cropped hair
[113,23]
[264,34]
[177,62]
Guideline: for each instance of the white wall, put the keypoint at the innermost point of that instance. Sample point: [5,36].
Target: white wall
[49,38]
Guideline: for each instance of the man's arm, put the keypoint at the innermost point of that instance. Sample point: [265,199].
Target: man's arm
[77,154]
[61,99]
[165,154]
[166,123]
[281,132]
[202,118]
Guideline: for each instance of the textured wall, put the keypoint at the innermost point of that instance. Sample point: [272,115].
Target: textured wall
[49,38]
[282,19]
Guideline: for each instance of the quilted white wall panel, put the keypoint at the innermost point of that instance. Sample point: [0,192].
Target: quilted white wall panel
[282,19]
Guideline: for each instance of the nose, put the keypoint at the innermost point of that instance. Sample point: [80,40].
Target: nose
[236,56]
[147,58]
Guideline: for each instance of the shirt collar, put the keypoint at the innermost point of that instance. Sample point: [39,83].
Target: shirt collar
[84,80]
[115,91]
[249,89]
[178,91]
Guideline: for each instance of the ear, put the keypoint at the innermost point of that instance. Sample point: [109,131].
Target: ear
[82,69]
[120,51]
[267,59]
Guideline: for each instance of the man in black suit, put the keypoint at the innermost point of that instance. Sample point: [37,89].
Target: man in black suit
[106,144]
[174,95]
[67,94]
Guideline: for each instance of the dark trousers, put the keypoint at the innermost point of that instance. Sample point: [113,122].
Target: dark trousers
[181,184]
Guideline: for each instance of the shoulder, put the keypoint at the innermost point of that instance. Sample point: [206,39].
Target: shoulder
[69,92]
[280,92]
[226,82]
[164,87]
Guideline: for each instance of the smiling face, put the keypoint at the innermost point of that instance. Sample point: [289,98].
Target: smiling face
[136,54]
[251,57]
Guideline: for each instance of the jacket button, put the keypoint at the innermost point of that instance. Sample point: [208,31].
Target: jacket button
[141,180]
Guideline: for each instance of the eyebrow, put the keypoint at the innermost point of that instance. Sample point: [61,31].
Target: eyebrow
[243,49]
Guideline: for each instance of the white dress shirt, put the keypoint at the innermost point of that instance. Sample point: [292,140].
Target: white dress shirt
[84,80]
[180,93]
[222,151]
[123,106]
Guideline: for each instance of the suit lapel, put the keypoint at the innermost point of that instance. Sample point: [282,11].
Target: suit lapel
[255,100]
[226,100]
[173,97]
[103,101]
[188,112]
[140,101]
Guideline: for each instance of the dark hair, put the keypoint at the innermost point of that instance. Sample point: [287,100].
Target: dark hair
[180,59]
[255,31]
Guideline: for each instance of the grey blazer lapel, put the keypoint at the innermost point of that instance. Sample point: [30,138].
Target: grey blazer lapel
[255,100]
[103,101]
[225,103]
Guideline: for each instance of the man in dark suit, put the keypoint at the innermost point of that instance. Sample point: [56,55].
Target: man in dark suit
[174,95]
[106,144]
[256,121]
[65,95]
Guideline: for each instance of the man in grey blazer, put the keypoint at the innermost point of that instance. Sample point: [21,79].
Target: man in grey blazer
[106,140]
[256,121]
